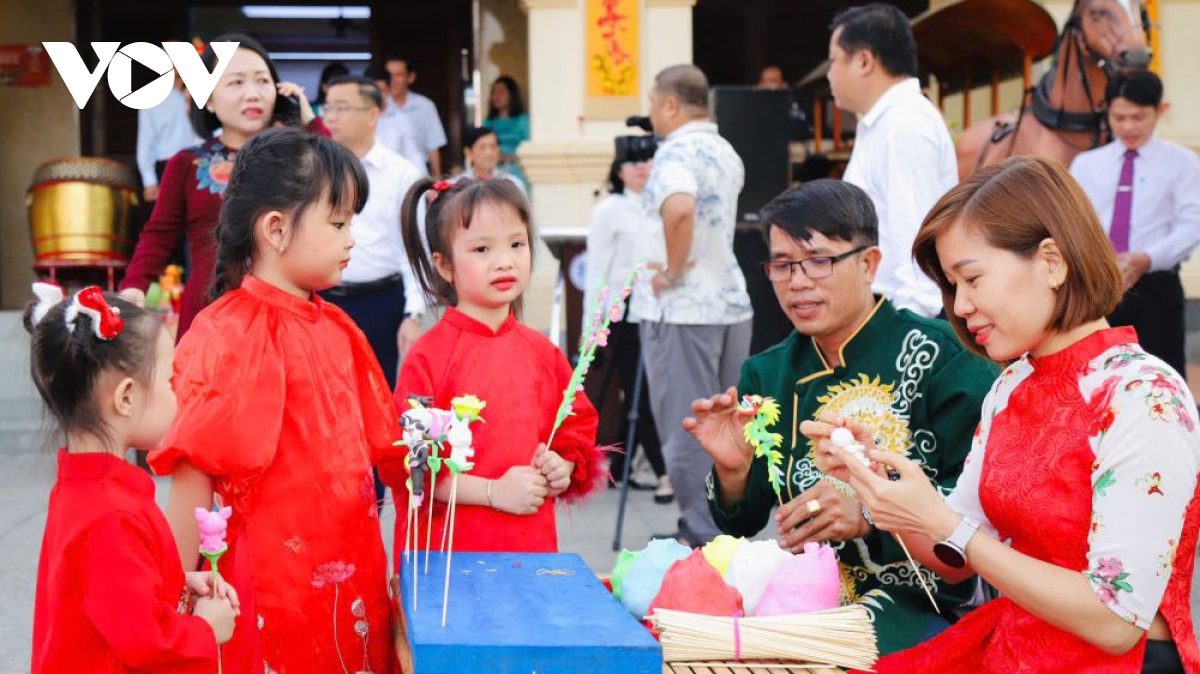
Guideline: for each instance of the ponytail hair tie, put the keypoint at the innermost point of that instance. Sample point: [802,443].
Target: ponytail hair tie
[436,190]
[106,320]
[49,295]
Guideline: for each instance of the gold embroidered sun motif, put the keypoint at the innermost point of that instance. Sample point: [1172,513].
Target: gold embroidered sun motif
[869,401]
[849,591]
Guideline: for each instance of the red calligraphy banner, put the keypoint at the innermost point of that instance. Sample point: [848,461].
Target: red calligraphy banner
[24,65]
[613,34]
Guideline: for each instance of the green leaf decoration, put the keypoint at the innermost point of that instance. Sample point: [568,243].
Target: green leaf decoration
[458,468]
[1105,481]
[765,443]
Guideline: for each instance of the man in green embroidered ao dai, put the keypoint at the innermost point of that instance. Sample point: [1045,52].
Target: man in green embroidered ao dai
[855,355]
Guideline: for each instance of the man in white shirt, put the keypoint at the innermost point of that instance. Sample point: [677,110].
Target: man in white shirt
[378,289]
[903,156]
[1146,192]
[410,124]
[695,312]
[162,131]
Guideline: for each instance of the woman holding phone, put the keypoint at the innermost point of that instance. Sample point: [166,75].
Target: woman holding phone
[247,99]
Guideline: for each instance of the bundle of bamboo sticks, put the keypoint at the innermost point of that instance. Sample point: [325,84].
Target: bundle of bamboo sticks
[843,637]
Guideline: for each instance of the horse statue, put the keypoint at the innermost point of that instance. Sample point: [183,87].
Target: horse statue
[1063,114]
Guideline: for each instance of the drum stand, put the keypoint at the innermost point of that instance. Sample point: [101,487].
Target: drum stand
[630,446]
[53,268]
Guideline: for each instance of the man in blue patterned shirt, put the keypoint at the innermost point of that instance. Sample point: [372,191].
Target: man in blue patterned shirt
[693,306]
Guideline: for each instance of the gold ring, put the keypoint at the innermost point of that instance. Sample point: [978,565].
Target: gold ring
[812,505]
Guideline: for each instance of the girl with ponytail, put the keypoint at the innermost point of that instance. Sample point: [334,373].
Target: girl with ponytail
[480,236]
[109,585]
[283,411]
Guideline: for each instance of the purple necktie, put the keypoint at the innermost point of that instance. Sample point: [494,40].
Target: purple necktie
[1118,233]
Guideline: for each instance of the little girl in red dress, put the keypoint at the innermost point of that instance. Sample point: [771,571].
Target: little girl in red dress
[480,235]
[283,411]
[111,596]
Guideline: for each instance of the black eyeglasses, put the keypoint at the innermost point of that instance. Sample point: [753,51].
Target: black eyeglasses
[813,267]
[343,109]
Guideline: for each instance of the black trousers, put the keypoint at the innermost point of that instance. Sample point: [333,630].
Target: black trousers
[378,313]
[1162,657]
[1154,307]
[625,347]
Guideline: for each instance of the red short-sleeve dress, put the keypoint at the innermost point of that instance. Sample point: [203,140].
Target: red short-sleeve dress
[282,402]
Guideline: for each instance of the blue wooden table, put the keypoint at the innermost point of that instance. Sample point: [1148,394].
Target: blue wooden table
[522,613]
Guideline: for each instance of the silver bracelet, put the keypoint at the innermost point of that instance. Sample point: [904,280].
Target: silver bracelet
[489,494]
[866,515]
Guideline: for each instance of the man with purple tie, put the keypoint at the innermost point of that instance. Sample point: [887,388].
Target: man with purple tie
[1147,193]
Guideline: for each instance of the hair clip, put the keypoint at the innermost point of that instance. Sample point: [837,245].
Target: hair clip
[106,320]
[48,296]
[435,191]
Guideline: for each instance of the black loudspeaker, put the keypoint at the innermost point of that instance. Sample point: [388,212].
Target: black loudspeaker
[757,123]
[771,325]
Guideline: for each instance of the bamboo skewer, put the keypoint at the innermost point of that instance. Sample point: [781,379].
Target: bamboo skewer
[429,525]
[917,570]
[415,523]
[450,553]
[753,666]
[408,535]
[842,637]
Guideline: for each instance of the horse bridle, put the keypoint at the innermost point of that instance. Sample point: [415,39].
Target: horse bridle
[1059,117]
[1095,121]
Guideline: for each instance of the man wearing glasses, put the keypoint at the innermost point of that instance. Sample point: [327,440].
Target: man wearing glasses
[853,355]
[378,289]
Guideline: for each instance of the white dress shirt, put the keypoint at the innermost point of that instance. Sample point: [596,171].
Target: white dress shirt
[1165,220]
[904,159]
[412,130]
[378,249]
[162,131]
[618,230]
[695,160]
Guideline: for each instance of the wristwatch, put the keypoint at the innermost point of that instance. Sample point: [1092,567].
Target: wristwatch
[953,551]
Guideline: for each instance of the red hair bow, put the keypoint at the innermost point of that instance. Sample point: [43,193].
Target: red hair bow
[442,186]
[106,320]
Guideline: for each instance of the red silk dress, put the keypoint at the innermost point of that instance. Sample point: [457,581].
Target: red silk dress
[283,403]
[521,376]
[109,582]
[1086,459]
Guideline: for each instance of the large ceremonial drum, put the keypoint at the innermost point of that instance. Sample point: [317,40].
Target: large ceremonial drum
[79,211]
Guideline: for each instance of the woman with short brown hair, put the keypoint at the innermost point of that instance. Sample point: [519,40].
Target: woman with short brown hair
[1085,459]
[1017,208]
